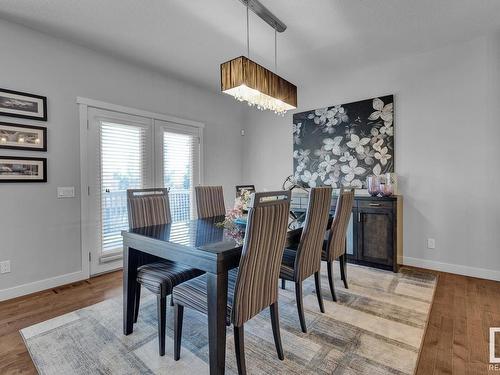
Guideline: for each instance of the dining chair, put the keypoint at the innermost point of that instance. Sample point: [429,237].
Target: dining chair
[335,246]
[147,207]
[300,263]
[209,201]
[253,286]
[241,188]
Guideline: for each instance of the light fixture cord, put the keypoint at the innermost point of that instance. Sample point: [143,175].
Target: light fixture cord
[275,51]
[248,36]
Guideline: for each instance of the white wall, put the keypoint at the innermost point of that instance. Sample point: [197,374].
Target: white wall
[40,234]
[447,136]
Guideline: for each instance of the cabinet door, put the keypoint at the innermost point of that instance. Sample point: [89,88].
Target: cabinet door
[375,236]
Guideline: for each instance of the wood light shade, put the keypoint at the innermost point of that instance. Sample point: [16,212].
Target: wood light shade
[247,80]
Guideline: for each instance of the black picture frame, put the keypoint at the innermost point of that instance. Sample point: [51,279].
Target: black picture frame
[28,113]
[43,177]
[43,130]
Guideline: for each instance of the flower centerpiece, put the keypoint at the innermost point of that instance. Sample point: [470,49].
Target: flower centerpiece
[235,218]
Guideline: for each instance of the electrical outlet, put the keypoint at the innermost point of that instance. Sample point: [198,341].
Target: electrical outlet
[431,243]
[5,266]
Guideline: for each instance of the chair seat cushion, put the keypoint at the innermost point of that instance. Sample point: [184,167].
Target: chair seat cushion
[288,264]
[193,293]
[161,277]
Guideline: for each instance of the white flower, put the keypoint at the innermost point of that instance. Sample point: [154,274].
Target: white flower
[377,146]
[340,113]
[383,155]
[330,126]
[333,145]
[300,167]
[382,111]
[328,163]
[296,128]
[377,170]
[321,115]
[332,180]
[301,155]
[367,155]
[356,183]
[357,143]
[309,178]
[346,156]
[352,170]
[296,133]
[387,129]
[321,153]
[321,172]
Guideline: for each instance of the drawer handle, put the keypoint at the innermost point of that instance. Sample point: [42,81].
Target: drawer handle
[374,204]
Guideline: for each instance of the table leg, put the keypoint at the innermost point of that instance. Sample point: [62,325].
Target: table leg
[130,262]
[217,302]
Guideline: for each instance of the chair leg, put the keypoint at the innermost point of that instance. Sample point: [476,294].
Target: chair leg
[178,318]
[162,320]
[239,346]
[275,322]
[329,267]
[137,302]
[300,307]
[283,284]
[343,270]
[317,282]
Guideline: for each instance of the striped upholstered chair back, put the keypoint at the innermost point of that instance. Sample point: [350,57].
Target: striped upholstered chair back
[209,201]
[148,207]
[308,259]
[257,283]
[338,232]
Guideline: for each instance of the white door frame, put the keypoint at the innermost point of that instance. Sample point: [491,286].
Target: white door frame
[84,105]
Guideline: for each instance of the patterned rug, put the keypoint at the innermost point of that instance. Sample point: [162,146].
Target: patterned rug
[376,328]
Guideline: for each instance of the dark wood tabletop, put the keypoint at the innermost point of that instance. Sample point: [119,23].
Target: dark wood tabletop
[202,244]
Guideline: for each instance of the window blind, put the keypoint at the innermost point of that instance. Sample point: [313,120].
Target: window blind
[180,160]
[123,165]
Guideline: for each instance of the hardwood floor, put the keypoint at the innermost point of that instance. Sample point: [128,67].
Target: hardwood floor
[456,340]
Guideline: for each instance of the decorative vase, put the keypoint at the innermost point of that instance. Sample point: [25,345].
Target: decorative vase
[386,189]
[393,179]
[373,183]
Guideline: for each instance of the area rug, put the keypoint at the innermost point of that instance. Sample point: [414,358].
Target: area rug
[376,327]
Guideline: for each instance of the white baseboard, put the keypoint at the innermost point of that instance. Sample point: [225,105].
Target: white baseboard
[37,286]
[481,273]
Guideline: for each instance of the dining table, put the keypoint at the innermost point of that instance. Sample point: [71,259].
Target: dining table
[204,244]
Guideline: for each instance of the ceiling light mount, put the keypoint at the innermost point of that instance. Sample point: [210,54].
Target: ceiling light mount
[264,13]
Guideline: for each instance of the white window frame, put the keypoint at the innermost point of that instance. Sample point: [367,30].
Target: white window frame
[161,126]
[84,104]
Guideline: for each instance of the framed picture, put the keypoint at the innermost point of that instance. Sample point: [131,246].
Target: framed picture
[341,145]
[24,105]
[23,169]
[23,137]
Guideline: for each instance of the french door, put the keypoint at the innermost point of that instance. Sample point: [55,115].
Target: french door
[132,152]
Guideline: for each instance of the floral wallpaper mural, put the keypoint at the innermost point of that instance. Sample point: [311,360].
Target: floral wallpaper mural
[342,145]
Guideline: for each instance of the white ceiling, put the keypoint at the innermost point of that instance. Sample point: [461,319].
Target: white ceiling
[190,38]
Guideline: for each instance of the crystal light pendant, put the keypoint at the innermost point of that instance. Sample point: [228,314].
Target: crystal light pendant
[248,81]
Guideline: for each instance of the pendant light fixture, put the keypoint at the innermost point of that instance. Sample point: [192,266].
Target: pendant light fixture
[248,81]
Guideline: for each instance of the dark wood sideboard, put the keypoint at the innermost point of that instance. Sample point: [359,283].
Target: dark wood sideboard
[375,234]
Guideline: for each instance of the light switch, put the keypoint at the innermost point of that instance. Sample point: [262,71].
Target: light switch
[65,192]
